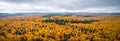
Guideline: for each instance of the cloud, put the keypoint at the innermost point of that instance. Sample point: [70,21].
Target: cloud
[105,9]
[59,5]
[10,7]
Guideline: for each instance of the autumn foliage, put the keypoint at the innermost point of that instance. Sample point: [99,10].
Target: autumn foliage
[60,28]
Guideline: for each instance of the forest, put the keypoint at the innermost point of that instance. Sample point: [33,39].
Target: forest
[60,28]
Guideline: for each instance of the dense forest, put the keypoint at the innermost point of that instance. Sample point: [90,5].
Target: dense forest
[60,28]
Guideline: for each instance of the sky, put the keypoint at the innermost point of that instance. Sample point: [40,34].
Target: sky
[14,6]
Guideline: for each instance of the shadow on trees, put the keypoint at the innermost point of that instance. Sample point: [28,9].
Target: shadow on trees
[63,22]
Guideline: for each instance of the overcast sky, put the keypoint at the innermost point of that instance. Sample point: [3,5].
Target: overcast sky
[59,5]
